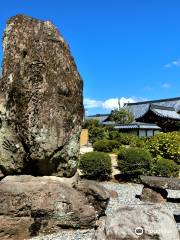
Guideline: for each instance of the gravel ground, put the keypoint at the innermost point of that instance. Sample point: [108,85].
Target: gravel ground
[69,235]
[126,196]
[173,193]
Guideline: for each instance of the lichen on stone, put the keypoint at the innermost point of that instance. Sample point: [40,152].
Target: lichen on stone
[40,97]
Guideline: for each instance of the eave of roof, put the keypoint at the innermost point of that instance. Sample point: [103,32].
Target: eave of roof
[140,108]
[166,114]
[108,123]
[159,110]
[100,117]
[155,101]
[154,106]
[138,125]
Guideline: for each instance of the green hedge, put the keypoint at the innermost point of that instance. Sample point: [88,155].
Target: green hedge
[166,145]
[97,133]
[105,145]
[127,139]
[165,168]
[96,165]
[134,161]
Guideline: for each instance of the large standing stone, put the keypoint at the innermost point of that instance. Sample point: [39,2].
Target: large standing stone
[31,206]
[40,101]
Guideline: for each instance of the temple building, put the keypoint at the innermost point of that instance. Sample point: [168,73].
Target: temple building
[151,117]
[165,113]
[139,129]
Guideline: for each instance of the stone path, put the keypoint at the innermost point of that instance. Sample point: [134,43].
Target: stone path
[114,164]
[85,149]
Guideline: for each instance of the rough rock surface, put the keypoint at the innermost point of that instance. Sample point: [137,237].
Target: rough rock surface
[161,182]
[145,222]
[95,194]
[149,195]
[31,206]
[41,105]
[127,193]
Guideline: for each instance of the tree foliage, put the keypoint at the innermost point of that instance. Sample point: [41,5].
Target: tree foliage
[166,145]
[91,123]
[121,116]
[96,130]
[165,168]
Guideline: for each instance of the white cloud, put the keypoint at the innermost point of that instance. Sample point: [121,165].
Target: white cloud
[173,63]
[91,103]
[166,85]
[109,104]
[112,103]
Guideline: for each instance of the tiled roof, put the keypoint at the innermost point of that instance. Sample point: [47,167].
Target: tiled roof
[164,108]
[168,102]
[108,123]
[167,108]
[100,117]
[138,125]
[166,113]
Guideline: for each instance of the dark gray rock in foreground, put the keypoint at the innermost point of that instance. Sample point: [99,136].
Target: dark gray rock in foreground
[95,194]
[149,195]
[33,206]
[41,106]
[161,182]
[145,222]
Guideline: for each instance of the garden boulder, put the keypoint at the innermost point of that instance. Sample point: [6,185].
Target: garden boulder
[145,222]
[32,206]
[161,182]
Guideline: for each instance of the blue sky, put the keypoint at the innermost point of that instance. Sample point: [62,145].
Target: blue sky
[126,49]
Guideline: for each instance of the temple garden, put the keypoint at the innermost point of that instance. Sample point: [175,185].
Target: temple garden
[155,156]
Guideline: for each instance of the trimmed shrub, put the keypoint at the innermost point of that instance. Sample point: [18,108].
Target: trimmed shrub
[105,145]
[96,165]
[96,130]
[138,142]
[114,135]
[97,133]
[134,161]
[91,123]
[166,145]
[127,139]
[165,168]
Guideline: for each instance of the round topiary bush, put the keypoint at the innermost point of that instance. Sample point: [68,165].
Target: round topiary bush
[165,168]
[105,145]
[96,165]
[134,161]
[166,145]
